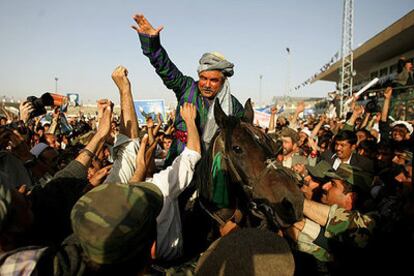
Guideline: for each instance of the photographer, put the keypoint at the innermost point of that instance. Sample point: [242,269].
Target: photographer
[404,75]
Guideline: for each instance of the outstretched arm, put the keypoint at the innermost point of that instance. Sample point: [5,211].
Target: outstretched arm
[165,68]
[273,118]
[144,27]
[129,122]
[86,155]
[188,113]
[387,103]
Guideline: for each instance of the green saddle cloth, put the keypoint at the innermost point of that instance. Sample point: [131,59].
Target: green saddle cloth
[220,180]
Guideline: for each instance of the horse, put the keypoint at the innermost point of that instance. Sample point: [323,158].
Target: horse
[261,193]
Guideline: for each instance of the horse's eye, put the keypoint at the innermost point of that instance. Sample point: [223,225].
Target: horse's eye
[237,149]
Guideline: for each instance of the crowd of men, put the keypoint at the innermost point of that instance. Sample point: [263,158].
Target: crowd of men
[103,197]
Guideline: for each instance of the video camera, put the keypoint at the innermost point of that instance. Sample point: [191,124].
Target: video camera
[47,99]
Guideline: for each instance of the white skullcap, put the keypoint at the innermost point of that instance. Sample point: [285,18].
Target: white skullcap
[404,123]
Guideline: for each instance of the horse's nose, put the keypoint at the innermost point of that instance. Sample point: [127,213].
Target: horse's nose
[294,207]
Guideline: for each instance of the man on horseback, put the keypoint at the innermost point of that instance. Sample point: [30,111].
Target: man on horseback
[213,72]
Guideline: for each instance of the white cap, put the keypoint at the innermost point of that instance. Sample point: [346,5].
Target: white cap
[406,124]
[44,122]
[306,131]
[38,149]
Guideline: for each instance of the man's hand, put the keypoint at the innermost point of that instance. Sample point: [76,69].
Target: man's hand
[312,144]
[144,27]
[358,110]
[105,123]
[300,107]
[144,159]
[323,118]
[101,105]
[120,77]
[159,119]
[377,117]
[150,122]
[14,140]
[100,176]
[388,93]
[188,112]
[25,109]
[273,110]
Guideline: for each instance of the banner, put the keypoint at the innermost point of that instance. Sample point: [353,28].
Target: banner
[149,108]
[261,118]
[73,99]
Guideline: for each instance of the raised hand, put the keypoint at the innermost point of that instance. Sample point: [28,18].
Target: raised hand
[323,118]
[144,159]
[102,104]
[144,27]
[105,122]
[25,109]
[358,110]
[388,93]
[159,119]
[120,77]
[150,122]
[300,107]
[100,176]
[188,112]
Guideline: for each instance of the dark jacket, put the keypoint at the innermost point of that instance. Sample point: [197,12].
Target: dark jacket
[357,160]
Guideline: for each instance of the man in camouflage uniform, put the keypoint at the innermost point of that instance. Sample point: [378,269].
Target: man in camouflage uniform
[337,221]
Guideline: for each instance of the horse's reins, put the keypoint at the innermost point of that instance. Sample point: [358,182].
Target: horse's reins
[263,211]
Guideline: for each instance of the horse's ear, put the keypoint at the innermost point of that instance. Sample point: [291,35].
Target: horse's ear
[219,114]
[248,112]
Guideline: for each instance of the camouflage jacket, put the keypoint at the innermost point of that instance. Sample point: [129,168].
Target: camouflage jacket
[350,227]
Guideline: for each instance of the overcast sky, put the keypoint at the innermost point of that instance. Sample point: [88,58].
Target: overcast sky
[82,41]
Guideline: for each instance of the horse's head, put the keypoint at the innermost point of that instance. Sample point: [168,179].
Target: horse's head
[249,155]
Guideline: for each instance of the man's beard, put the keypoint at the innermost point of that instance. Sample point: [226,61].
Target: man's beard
[286,151]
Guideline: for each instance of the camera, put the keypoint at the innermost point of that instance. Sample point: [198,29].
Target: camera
[372,106]
[40,103]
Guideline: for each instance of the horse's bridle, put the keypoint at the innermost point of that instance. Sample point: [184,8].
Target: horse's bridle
[260,210]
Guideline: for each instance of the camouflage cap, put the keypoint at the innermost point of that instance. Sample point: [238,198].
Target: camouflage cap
[319,170]
[116,222]
[351,175]
[299,159]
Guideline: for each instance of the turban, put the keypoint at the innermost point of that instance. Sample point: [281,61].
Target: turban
[215,61]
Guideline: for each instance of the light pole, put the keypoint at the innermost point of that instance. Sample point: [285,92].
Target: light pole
[56,82]
[288,71]
[260,88]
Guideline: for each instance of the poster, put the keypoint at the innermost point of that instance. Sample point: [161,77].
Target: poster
[73,99]
[146,108]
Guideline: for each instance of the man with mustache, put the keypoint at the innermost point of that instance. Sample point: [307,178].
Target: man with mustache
[213,72]
[345,145]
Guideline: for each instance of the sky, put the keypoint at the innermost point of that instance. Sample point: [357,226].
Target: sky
[82,41]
